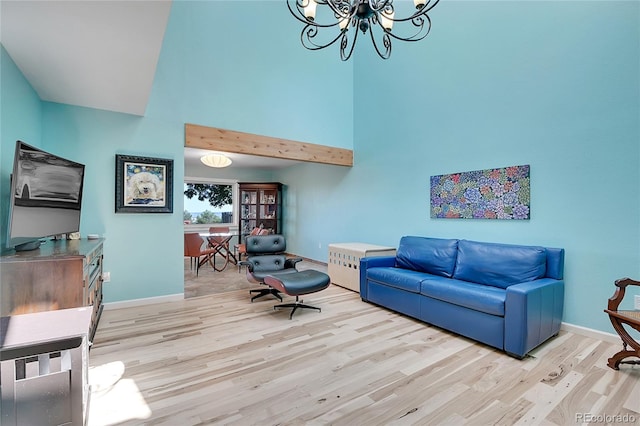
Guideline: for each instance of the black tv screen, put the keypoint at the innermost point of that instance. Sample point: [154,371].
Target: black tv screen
[46,196]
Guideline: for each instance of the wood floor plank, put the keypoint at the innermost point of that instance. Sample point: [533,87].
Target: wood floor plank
[220,359]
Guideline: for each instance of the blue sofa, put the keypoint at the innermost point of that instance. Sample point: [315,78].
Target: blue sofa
[507,296]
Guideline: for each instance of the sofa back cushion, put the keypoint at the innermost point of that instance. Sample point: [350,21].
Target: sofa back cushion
[433,255]
[555,263]
[499,265]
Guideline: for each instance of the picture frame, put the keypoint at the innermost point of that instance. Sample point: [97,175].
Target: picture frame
[143,184]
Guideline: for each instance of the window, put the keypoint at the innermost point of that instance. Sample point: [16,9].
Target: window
[201,214]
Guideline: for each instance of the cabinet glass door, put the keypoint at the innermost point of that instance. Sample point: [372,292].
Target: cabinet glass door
[260,207]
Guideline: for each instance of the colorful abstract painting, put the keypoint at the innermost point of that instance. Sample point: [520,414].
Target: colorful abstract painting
[502,193]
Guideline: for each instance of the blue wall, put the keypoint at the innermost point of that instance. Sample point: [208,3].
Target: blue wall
[499,84]
[538,87]
[20,119]
[550,84]
[142,251]
[239,66]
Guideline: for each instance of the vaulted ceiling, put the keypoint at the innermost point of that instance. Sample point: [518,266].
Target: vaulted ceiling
[96,54]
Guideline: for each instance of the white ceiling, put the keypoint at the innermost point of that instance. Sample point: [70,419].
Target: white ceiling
[96,53]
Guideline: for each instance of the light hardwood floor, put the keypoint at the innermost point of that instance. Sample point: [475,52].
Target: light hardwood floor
[219,359]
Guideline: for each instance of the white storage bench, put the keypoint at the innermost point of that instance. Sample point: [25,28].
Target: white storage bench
[344,262]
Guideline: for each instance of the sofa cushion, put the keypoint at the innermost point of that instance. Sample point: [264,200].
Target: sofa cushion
[432,255]
[404,279]
[499,265]
[478,297]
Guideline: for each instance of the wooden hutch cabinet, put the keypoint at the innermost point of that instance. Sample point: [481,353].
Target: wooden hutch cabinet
[260,206]
[60,274]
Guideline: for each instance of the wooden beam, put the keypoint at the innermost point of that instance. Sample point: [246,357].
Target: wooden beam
[217,139]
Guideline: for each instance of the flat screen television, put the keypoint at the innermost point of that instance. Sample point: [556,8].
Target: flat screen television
[46,196]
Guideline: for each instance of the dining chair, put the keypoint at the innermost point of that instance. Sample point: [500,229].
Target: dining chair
[186,254]
[221,245]
[218,230]
[193,243]
[241,248]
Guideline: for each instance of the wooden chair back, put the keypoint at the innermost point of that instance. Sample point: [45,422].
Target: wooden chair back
[216,230]
[193,244]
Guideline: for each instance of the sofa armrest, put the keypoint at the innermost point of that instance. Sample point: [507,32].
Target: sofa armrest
[372,262]
[532,314]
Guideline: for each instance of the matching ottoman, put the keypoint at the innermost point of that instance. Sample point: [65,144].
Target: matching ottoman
[297,284]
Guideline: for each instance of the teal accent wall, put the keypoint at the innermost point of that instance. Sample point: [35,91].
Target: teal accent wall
[551,84]
[142,251]
[240,66]
[20,119]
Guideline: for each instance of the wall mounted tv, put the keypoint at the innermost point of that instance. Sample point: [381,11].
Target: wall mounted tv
[46,196]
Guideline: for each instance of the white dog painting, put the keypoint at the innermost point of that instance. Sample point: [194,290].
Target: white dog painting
[145,188]
[143,184]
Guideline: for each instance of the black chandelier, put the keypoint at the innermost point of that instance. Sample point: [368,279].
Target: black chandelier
[375,16]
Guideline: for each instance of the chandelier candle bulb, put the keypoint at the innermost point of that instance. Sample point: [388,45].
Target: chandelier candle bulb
[386,20]
[343,22]
[310,9]
[418,3]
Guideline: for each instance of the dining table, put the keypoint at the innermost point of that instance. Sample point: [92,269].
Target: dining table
[219,242]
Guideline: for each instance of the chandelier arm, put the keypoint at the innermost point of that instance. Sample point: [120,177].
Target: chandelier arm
[386,43]
[379,6]
[421,32]
[419,12]
[299,15]
[307,35]
[340,8]
[344,45]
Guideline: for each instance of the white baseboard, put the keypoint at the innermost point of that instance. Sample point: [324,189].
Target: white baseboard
[146,301]
[589,332]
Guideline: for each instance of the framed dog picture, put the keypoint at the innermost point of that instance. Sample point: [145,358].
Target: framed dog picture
[144,184]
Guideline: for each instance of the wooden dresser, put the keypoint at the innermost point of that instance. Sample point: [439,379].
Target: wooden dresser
[60,274]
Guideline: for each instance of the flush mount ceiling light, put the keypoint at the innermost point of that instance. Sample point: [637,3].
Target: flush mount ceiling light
[349,16]
[216,160]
